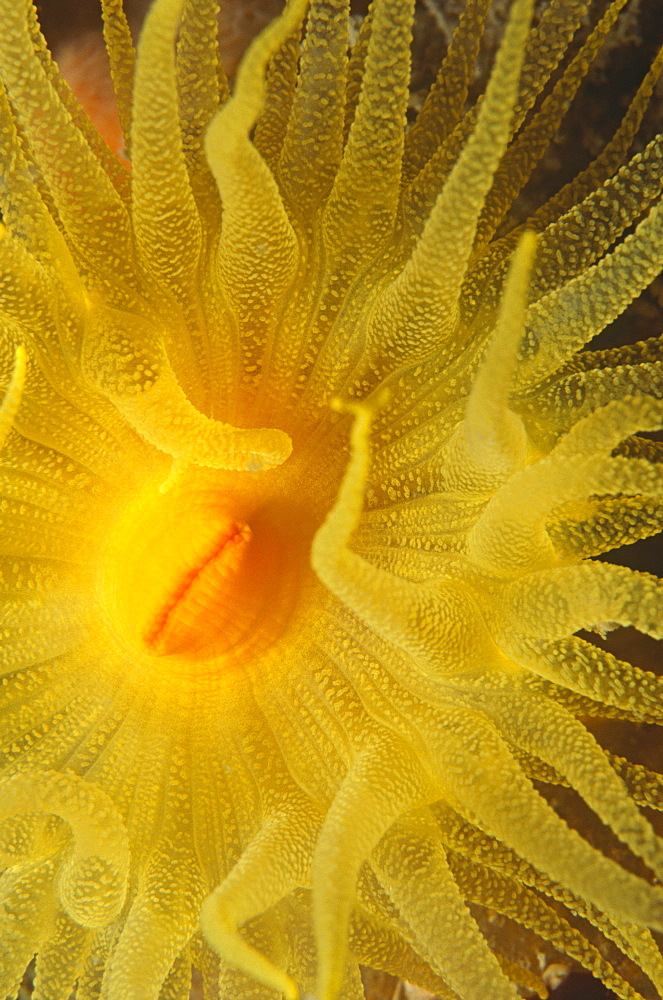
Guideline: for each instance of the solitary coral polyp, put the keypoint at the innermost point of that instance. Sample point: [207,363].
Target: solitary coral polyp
[298,499]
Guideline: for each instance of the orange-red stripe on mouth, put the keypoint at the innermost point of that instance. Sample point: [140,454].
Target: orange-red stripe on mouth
[176,625]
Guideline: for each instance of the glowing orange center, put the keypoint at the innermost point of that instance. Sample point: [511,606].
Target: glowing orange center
[205,570]
[179,621]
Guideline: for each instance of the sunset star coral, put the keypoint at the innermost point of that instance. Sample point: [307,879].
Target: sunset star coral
[303,472]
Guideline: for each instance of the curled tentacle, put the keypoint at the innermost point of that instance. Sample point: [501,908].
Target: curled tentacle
[126,362]
[92,882]
[166,419]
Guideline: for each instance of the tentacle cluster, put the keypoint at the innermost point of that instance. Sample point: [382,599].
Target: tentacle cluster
[294,325]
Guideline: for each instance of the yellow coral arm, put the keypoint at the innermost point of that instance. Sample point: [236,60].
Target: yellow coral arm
[118,348]
[202,87]
[362,205]
[417,312]
[165,913]
[604,524]
[12,398]
[576,393]
[495,436]
[164,416]
[23,210]
[165,216]
[575,241]
[445,101]
[265,936]
[94,215]
[445,636]
[25,920]
[257,237]
[276,862]
[548,731]
[592,672]
[563,321]
[384,781]
[106,158]
[489,888]
[117,35]
[530,144]
[554,603]
[601,431]
[471,843]
[313,143]
[177,985]
[545,47]
[644,785]
[280,85]
[62,958]
[510,536]
[201,80]
[609,159]
[481,774]
[380,945]
[411,863]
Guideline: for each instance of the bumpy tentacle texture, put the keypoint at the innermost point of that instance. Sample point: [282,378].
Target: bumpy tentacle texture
[302,477]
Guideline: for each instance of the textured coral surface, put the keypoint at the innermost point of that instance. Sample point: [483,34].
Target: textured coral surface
[304,473]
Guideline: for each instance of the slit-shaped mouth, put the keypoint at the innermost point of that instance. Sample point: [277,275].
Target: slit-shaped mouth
[208,571]
[174,626]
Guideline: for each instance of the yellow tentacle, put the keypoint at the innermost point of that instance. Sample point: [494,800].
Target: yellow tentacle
[12,398]
[417,312]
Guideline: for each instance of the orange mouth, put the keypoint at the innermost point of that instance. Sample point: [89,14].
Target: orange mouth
[208,570]
[176,623]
